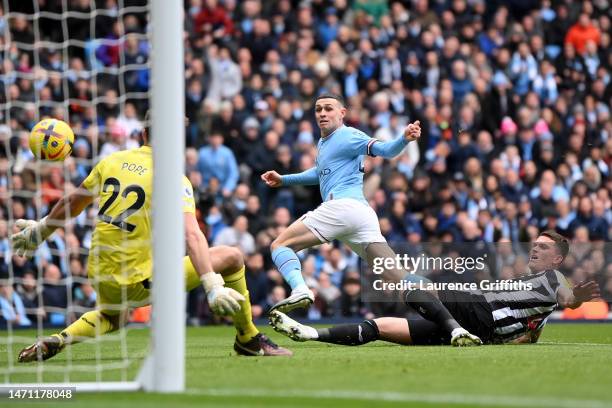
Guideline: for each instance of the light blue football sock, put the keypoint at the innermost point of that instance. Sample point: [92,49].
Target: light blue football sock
[289,265]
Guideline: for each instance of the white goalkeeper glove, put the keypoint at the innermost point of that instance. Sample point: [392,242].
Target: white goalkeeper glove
[223,301]
[31,234]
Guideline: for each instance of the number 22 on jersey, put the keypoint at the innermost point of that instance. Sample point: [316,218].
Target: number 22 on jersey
[117,216]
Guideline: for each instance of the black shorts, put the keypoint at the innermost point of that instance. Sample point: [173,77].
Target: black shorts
[471,311]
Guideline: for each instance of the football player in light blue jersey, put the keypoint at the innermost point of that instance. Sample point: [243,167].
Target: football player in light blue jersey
[344,214]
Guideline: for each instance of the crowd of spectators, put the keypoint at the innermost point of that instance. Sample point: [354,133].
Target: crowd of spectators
[513,97]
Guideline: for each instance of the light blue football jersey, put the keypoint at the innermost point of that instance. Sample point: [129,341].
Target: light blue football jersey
[340,163]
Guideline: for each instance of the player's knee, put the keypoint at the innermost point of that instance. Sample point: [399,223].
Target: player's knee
[232,259]
[417,296]
[383,323]
[116,320]
[277,243]
[237,259]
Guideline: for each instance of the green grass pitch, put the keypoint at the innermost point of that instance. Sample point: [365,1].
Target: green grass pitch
[570,367]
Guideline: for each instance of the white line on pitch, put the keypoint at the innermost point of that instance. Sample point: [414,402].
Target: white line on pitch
[470,399]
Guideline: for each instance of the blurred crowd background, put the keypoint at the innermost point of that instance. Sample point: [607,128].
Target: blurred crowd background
[513,97]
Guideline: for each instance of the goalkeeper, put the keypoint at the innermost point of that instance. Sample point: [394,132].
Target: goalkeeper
[120,257]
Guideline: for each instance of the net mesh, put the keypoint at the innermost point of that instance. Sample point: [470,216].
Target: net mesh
[85,62]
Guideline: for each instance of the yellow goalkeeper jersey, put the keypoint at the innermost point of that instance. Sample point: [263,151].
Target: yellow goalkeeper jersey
[121,243]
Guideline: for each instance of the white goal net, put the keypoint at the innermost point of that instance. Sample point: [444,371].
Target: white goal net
[88,63]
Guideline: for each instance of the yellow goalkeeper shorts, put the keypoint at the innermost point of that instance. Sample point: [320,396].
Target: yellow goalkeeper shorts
[114,298]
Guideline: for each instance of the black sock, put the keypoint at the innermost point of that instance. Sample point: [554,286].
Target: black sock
[350,334]
[430,307]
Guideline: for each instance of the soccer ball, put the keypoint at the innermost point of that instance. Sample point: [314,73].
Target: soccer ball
[51,139]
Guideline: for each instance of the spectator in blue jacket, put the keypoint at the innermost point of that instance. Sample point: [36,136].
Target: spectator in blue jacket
[218,161]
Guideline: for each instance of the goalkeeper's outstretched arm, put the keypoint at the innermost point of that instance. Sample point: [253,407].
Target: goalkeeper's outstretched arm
[69,206]
[32,233]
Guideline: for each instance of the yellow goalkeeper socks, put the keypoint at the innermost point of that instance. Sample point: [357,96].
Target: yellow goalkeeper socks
[243,320]
[87,326]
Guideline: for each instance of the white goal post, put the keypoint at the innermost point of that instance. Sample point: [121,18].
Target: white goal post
[167,373]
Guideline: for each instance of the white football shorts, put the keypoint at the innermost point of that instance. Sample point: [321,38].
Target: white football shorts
[347,220]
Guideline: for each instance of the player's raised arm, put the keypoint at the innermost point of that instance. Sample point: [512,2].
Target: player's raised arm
[306,178]
[33,233]
[582,292]
[412,131]
[392,148]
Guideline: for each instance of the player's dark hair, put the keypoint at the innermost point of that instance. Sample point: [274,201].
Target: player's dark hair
[331,96]
[561,242]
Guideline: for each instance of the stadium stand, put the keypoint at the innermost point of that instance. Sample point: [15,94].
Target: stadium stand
[514,99]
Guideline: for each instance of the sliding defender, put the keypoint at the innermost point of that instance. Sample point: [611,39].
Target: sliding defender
[491,317]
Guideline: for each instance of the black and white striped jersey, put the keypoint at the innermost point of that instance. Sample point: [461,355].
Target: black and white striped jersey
[516,312]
